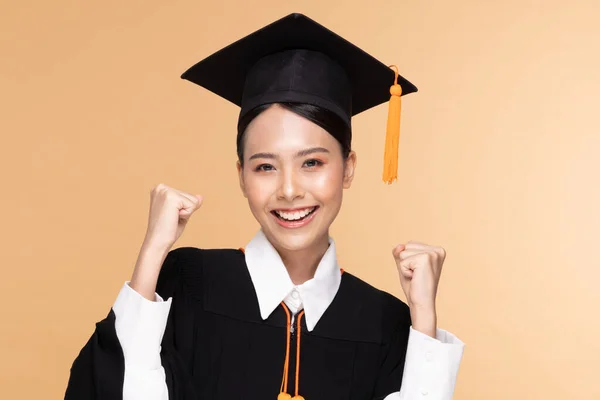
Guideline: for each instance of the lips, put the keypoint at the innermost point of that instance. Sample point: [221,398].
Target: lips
[294,215]
[294,218]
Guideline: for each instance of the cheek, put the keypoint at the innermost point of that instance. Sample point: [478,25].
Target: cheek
[258,191]
[327,187]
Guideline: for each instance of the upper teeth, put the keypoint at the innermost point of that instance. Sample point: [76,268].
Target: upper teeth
[292,216]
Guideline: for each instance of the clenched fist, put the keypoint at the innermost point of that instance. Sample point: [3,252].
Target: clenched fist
[420,267]
[170,210]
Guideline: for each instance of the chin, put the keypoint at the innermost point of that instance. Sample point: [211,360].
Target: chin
[292,239]
[294,242]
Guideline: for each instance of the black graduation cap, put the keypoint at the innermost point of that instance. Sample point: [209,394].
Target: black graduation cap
[297,60]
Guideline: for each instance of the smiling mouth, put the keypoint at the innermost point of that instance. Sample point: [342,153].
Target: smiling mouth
[294,216]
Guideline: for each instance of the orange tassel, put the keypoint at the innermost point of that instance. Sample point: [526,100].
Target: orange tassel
[392,137]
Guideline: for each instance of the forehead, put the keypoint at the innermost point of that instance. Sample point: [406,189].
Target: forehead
[280,130]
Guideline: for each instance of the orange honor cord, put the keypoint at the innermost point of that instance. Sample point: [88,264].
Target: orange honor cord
[283,395]
[297,396]
[392,137]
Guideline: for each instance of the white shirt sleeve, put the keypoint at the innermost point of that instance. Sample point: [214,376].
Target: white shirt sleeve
[431,366]
[140,325]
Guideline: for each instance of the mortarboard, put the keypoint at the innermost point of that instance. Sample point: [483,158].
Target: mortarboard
[297,60]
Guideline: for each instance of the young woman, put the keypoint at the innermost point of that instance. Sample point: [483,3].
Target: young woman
[278,319]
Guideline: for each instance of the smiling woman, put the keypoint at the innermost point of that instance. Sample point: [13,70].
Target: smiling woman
[279,318]
[294,168]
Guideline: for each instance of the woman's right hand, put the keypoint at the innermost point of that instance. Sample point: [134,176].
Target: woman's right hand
[170,211]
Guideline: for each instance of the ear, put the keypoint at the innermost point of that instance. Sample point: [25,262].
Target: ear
[240,170]
[349,167]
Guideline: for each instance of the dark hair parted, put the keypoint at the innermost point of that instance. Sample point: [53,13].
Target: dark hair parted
[326,119]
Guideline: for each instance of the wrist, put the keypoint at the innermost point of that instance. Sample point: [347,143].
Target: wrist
[147,269]
[424,320]
[155,247]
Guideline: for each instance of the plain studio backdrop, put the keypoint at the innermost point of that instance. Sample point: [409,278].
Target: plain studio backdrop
[499,164]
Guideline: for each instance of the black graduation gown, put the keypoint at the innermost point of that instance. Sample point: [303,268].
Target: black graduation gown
[216,345]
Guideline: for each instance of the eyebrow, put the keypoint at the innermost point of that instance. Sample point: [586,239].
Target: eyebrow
[301,153]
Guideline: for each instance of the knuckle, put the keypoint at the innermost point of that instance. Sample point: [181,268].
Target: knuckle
[442,252]
[161,188]
[170,194]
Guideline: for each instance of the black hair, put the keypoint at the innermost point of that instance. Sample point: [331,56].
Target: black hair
[326,119]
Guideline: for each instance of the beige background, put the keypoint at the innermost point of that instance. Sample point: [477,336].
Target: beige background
[498,158]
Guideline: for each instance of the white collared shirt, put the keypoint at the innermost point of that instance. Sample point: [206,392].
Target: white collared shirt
[273,284]
[431,364]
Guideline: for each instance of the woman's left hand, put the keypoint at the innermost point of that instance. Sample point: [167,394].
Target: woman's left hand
[420,267]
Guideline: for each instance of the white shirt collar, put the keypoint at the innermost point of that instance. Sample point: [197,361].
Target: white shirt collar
[273,284]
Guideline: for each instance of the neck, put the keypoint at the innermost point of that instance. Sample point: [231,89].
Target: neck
[302,264]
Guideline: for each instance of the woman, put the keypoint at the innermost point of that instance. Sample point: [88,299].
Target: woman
[278,319]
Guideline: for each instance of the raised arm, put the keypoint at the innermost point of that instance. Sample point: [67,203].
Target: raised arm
[123,359]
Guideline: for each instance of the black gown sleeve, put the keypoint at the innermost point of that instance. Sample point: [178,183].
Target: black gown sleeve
[396,325]
[98,371]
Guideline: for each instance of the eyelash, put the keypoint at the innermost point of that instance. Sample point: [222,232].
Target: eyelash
[317,163]
[260,168]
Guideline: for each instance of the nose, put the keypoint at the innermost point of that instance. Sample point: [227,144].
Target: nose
[290,187]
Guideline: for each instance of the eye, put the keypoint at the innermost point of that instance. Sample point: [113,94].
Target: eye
[313,163]
[264,167]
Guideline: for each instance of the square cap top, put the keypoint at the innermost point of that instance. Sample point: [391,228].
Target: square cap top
[295,59]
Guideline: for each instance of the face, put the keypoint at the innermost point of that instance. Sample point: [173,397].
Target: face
[293,176]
